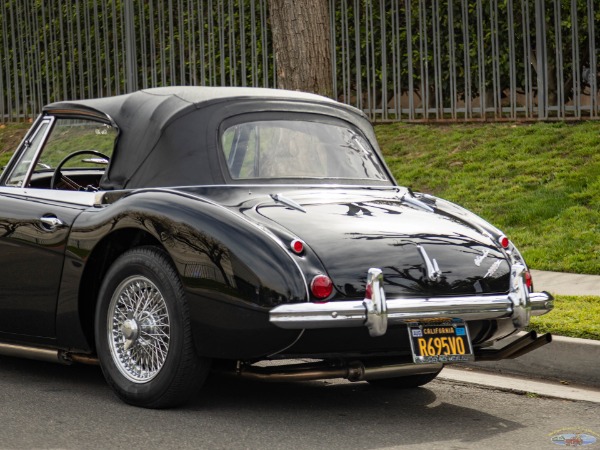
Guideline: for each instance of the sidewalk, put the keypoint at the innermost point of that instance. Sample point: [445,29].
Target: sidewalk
[566,283]
[565,359]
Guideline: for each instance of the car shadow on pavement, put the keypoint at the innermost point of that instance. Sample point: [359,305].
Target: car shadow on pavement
[235,413]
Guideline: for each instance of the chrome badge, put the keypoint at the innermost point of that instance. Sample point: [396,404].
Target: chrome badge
[492,270]
[480,259]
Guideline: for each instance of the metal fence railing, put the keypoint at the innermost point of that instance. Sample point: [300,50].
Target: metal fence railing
[395,59]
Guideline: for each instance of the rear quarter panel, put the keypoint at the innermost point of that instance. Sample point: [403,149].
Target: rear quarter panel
[232,270]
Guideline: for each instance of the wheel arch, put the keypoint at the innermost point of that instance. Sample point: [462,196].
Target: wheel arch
[104,254]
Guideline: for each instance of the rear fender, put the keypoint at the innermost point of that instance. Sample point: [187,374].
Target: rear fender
[233,270]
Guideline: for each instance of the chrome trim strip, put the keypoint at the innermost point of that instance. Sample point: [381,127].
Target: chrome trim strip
[73,197]
[516,305]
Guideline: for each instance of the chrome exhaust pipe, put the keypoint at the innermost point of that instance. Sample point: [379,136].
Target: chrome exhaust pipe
[46,354]
[36,353]
[352,371]
[519,347]
[539,342]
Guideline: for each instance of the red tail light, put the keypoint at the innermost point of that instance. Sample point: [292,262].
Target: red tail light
[503,240]
[297,246]
[528,280]
[321,286]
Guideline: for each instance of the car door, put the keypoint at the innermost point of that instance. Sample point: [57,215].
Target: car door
[34,226]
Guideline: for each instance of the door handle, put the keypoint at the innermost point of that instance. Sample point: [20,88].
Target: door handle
[51,223]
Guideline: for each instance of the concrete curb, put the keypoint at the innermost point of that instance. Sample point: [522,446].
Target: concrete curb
[572,360]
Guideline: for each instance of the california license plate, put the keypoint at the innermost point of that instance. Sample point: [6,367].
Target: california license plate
[440,342]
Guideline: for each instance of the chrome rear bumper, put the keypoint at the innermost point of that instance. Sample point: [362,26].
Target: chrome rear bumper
[375,312]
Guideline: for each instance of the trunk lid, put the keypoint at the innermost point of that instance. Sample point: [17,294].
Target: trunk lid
[352,233]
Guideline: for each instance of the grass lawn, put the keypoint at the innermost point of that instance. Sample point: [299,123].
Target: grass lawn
[572,316]
[539,183]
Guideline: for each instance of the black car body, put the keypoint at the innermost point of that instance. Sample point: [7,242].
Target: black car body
[169,228]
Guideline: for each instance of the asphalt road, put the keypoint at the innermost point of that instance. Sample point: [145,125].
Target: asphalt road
[51,406]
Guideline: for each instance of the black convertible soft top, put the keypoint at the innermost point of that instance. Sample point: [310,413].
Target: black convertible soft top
[166,135]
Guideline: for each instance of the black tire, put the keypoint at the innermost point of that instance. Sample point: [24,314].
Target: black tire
[407,382]
[147,356]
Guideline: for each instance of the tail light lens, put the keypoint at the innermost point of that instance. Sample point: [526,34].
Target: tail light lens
[321,286]
[503,241]
[297,246]
[528,280]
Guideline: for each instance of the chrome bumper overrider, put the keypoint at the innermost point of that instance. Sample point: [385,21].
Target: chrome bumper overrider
[375,312]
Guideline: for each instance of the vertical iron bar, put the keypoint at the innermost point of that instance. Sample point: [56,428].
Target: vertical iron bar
[105,38]
[182,46]
[332,48]
[394,41]
[221,22]
[116,63]
[512,61]
[172,57]
[481,61]
[409,52]
[3,57]
[527,58]
[452,60]
[54,93]
[542,59]
[369,64]
[143,44]
[344,45]
[253,49]
[130,58]
[496,87]
[152,32]
[593,60]
[560,79]
[437,61]
[241,7]
[576,67]
[468,94]
[358,68]
[98,69]
[87,27]
[210,39]
[192,43]
[424,58]
[203,57]
[16,48]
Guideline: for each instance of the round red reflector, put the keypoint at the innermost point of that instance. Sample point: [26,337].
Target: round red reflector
[321,286]
[297,246]
[503,241]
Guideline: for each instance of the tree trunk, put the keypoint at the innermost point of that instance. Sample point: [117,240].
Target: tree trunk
[301,42]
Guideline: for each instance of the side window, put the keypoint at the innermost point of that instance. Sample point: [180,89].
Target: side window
[73,135]
[79,148]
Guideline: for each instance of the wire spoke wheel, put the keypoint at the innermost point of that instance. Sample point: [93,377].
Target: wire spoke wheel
[138,328]
[143,332]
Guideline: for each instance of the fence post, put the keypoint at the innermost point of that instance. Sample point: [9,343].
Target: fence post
[541,58]
[130,48]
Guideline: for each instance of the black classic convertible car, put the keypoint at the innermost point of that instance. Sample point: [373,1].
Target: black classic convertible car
[171,231]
